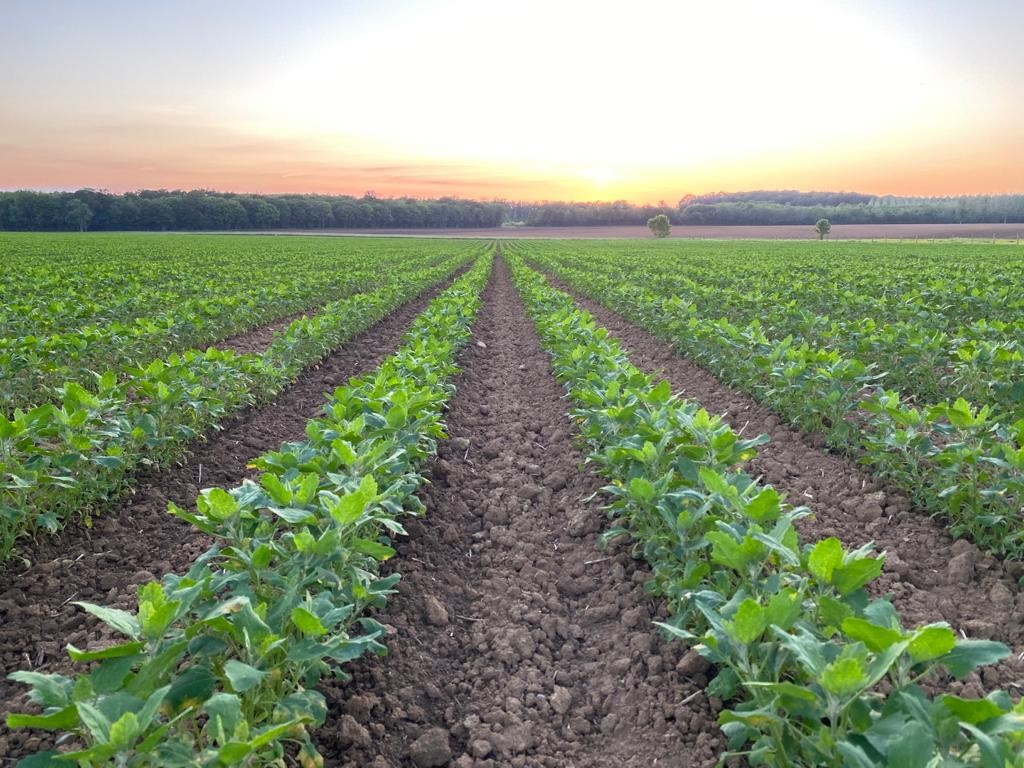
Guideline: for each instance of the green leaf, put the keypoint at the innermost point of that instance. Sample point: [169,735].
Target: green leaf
[272,733]
[48,759]
[748,623]
[825,557]
[109,675]
[233,753]
[309,484]
[873,636]
[93,719]
[261,556]
[913,747]
[764,507]
[832,612]
[7,428]
[970,654]
[854,756]
[63,720]
[242,676]
[225,713]
[115,618]
[352,505]
[124,731]
[784,608]
[278,491]
[642,488]
[372,548]
[303,541]
[155,611]
[660,394]
[843,677]
[294,515]
[220,505]
[931,642]
[397,416]
[191,688]
[973,711]
[308,623]
[856,574]
[344,451]
[785,689]
[47,690]
[716,482]
[111,652]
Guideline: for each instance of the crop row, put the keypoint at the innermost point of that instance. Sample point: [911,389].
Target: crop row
[57,330]
[932,336]
[65,458]
[952,458]
[218,666]
[60,282]
[817,673]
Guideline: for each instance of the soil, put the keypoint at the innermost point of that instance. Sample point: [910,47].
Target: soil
[770,232]
[137,540]
[930,576]
[517,641]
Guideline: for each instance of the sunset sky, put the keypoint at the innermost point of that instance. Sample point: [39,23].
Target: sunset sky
[535,99]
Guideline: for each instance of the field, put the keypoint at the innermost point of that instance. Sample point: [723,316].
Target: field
[424,502]
[714,232]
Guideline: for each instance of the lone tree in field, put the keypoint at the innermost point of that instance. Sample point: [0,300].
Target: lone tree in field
[823,227]
[659,225]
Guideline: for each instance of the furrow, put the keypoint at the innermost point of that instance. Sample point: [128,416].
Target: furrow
[516,640]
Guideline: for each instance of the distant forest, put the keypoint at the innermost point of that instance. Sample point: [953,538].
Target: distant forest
[88,209]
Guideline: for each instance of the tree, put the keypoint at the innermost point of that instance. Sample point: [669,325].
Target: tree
[822,227]
[78,214]
[659,225]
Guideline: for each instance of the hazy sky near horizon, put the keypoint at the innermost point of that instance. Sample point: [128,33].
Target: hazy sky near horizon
[537,99]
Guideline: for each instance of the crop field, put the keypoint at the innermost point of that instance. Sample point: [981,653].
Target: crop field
[389,502]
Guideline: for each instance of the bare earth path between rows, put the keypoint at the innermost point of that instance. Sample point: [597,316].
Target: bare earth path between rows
[931,577]
[517,641]
[138,540]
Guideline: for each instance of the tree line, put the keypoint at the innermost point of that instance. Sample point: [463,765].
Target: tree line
[89,209]
[782,207]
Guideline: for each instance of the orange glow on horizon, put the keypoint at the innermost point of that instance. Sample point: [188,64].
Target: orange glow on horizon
[574,100]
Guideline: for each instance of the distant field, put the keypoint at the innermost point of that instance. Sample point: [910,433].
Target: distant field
[787,232]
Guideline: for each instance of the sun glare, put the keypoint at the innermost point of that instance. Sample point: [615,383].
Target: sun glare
[669,85]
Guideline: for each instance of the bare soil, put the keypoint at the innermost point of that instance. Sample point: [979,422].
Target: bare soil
[930,576]
[516,640]
[138,540]
[770,232]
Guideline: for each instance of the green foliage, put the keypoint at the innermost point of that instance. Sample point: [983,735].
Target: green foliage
[220,664]
[816,672]
[822,227]
[911,363]
[72,456]
[659,225]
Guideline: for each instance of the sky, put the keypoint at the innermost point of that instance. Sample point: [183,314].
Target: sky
[534,99]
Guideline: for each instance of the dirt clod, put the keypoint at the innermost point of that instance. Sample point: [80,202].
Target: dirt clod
[434,612]
[431,749]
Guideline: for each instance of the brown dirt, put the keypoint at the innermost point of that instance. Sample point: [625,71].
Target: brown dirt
[770,232]
[930,576]
[517,642]
[138,540]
